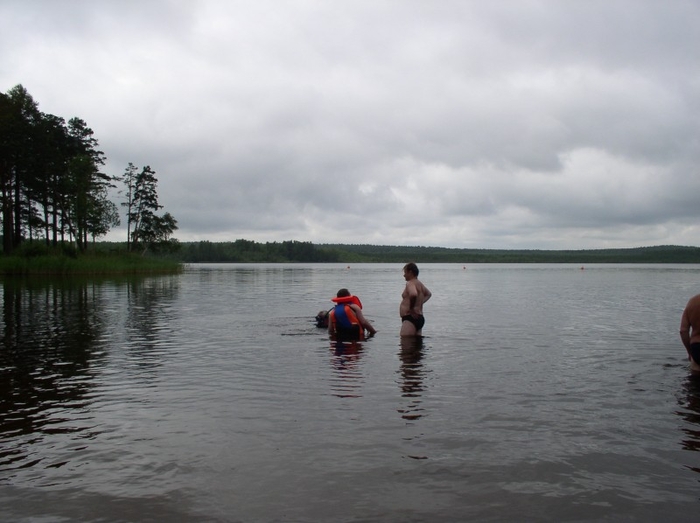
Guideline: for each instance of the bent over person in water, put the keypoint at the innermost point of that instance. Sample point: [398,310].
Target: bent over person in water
[345,320]
[414,295]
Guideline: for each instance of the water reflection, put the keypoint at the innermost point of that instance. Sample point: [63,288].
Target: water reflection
[412,376]
[48,336]
[345,361]
[691,414]
[55,336]
[150,319]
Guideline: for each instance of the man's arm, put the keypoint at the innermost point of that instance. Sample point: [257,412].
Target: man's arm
[685,331]
[363,321]
[330,323]
[412,291]
[685,338]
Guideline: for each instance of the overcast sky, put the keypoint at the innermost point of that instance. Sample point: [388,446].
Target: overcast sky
[553,124]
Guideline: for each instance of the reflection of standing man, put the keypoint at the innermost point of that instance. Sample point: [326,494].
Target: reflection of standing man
[412,375]
[412,299]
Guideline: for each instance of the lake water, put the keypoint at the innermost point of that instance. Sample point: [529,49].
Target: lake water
[539,393]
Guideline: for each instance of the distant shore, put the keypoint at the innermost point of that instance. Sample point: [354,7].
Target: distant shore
[246,251]
[111,257]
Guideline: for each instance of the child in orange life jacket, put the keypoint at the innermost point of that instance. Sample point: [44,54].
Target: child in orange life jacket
[345,320]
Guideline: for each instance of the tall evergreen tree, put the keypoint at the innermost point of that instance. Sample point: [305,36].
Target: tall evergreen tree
[50,171]
[51,184]
[9,118]
[87,183]
[144,227]
[18,128]
[129,180]
[145,202]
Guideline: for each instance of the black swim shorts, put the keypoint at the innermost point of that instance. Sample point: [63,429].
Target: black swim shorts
[418,322]
[695,352]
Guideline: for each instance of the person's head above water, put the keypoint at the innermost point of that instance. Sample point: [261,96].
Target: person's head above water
[412,268]
[344,296]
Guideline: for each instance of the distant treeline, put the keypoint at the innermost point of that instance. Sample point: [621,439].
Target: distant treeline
[244,251]
[657,254]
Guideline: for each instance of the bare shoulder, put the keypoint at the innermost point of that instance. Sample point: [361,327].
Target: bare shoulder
[693,303]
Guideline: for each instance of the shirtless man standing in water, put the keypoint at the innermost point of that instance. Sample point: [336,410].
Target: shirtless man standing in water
[412,299]
[690,332]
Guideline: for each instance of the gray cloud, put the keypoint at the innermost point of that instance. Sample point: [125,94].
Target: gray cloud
[524,124]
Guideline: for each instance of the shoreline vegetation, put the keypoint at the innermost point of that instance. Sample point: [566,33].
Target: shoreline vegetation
[41,261]
[245,251]
[55,196]
[112,258]
[61,265]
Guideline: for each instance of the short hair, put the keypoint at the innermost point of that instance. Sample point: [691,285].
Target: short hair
[411,267]
[342,293]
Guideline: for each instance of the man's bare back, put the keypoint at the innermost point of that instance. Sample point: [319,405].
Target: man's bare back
[414,295]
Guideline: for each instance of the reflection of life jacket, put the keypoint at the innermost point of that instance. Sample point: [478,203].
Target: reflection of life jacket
[344,323]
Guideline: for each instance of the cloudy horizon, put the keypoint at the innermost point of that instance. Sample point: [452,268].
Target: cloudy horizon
[498,125]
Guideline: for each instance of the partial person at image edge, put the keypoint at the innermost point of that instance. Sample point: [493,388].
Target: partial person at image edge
[690,332]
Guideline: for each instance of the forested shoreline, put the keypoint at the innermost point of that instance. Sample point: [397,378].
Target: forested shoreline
[54,194]
[247,251]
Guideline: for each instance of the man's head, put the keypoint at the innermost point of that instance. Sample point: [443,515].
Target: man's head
[410,271]
[342,293]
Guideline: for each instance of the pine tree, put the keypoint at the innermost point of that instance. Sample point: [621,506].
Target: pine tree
[145,228]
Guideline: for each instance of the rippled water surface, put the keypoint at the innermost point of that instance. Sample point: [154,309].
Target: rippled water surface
[539,393]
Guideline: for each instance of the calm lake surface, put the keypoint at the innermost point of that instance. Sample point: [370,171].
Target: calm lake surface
[539,393]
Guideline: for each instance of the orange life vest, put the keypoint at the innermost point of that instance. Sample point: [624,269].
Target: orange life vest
[348,299]
[344,323]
